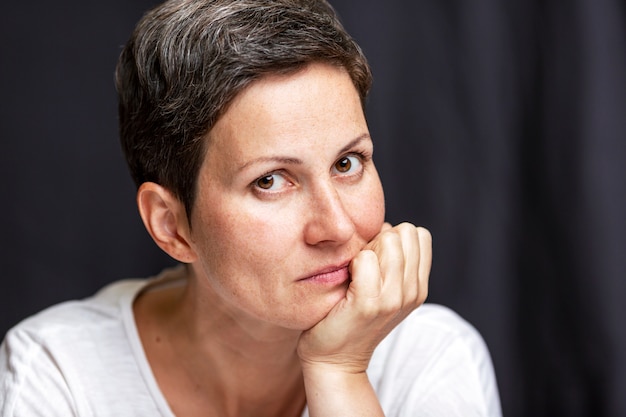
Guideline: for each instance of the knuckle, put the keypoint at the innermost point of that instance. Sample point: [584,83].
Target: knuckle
[364,257]
[425,235]
[369,310]
[389,238]
[392,303]
[407,227]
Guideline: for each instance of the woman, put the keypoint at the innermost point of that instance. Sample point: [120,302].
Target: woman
[242,122]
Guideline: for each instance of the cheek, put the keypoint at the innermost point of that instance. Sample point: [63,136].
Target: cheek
[234,238]
[369,210]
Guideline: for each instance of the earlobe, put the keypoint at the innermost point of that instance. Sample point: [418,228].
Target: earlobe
[165,219]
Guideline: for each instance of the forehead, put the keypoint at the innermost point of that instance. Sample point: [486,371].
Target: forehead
[296,112]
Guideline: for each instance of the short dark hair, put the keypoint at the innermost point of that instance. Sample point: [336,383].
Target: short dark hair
[187,60]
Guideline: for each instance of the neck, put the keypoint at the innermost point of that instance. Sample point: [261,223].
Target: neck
[229,362]
[209,322]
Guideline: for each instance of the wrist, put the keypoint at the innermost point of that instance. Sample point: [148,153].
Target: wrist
[336,365]
[339,391]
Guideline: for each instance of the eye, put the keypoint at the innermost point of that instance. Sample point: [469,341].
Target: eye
[348,165]
[271,182]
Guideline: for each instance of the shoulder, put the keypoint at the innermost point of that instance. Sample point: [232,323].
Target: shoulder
[44,358]
[435,360]
[71,319]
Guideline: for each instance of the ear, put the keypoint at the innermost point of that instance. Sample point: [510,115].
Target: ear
[166,220]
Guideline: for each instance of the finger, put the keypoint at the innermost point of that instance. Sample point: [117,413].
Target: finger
[386,226]
[409,236]
[391,257]
[366,277]
[425,262]
[388,248]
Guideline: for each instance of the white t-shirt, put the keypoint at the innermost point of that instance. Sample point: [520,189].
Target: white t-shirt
[85,358]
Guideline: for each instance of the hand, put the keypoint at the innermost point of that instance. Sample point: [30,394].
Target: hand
[389,280]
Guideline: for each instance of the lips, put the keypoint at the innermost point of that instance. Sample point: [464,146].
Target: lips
[331,275]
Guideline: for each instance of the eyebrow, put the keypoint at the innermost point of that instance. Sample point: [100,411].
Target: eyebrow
[353,143]
[296,161]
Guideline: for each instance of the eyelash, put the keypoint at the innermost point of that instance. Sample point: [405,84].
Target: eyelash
[363,158]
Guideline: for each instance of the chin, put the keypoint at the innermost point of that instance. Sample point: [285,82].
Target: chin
[319,310]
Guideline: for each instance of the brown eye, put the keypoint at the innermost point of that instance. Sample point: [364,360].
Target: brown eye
[343,165]
[274,183]
[266,182]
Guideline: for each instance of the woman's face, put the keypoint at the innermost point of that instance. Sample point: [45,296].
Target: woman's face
[287,195]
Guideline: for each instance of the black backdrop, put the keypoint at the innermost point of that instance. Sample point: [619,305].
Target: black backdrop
[499,125]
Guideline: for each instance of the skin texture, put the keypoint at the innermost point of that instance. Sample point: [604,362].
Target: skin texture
[293,278]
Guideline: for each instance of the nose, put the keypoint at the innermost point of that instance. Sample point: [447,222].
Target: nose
[328,221]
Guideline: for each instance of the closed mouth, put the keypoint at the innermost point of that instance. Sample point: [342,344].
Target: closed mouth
[329,275]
